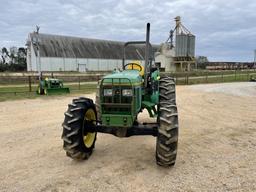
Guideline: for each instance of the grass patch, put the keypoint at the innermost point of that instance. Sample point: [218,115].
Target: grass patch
[17,95]
[20,92]
[221,78]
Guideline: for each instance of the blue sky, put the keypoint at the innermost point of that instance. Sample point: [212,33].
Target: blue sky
[225,30]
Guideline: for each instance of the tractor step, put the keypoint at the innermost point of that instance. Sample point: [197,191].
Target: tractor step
[150,108]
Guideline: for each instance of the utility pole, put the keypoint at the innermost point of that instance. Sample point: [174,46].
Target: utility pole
[38,52]
[254,61]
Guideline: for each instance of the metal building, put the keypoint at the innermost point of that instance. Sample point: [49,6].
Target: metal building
[165,57]
[178,52]
[184,59]
[185,45]
[65,53]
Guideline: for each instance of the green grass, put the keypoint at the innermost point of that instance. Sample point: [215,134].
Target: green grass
[208,73]
[220,78]
[16,96]
[17,92]
[21,91]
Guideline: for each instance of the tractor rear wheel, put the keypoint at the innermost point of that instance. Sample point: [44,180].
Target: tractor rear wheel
[97,103]
[167,139]
[78,143]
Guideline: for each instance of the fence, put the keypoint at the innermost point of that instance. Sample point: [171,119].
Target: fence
[16,85]
[209,77]
[26,86]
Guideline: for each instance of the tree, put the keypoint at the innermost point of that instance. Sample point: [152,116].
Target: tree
[22,52]
[17,59]
[4,54]
[201,62]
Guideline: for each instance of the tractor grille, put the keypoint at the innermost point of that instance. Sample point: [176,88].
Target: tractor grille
[116,109]
[117,96]
[117,104]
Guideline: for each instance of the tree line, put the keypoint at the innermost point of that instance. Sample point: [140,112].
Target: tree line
[13,59]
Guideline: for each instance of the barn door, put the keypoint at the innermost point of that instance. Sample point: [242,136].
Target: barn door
[82,67]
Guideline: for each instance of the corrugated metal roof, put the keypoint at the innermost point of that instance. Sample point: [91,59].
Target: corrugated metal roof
[76,47]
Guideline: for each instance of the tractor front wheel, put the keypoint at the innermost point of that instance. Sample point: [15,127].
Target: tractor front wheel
[40,90]
[167,138]
[77,142]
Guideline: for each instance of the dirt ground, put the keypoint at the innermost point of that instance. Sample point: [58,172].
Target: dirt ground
[217,147]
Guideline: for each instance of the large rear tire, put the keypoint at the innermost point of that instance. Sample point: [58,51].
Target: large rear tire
[78,143]
[97,103]
[167,138]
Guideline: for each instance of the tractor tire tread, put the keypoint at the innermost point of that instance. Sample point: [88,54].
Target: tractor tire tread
[167,138]
[72,134]
[97,103]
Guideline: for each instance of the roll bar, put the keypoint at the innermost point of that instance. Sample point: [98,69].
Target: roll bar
[148,48]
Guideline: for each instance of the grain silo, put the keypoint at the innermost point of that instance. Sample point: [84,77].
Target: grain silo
[178,52]
[184,47]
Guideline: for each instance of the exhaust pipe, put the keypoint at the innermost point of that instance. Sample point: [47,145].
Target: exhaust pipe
[147,56]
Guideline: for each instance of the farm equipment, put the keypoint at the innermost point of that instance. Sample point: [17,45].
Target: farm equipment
[121,96]
[51,86]
[253,78]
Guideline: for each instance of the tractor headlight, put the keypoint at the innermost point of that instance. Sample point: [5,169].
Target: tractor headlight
[127,92]
[108,92]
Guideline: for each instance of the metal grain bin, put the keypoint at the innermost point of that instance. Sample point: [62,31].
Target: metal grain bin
[185,45]
[181,45]
[191,45]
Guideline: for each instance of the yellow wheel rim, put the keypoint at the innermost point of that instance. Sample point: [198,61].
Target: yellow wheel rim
[89,137]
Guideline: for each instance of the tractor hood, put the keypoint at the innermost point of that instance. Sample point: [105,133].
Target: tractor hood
[132,75]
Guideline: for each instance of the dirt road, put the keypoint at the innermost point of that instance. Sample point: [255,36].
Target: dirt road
[217,147]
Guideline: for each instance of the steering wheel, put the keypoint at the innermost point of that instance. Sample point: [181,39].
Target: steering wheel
[132,64]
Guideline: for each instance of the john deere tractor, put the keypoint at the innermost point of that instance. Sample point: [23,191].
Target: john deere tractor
[121,97]
[51,86]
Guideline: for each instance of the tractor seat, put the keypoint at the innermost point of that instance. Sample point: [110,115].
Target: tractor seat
[136,65]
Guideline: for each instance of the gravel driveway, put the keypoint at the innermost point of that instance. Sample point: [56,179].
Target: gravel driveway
[217,147]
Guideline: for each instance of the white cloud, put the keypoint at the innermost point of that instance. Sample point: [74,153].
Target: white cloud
[224,30]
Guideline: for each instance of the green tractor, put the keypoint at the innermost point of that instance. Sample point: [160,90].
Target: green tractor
[120,98]
[253,78]
[51,86]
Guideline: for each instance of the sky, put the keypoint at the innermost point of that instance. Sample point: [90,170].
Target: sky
[224,30]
